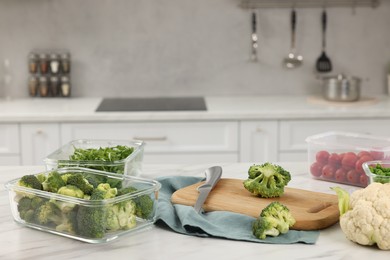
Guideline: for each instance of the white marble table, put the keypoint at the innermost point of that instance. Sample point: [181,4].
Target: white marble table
[18,242]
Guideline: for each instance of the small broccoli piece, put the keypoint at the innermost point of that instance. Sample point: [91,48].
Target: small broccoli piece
[69,224]
[65,177]
[261,228]
[30,181]
[24,204]
[121,216]
[72,191]
[91,220]
[53,182]
[274,219]
[48,214]
[79,181]
[41,177]
[267,180]
[107,191]
[144,203]
[25,209]
[37,202]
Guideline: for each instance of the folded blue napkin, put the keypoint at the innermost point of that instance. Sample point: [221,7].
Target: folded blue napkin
[223,224]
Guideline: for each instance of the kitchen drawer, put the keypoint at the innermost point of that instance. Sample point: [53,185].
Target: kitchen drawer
[294,132]
[9,139]
[38,141]
[162,137]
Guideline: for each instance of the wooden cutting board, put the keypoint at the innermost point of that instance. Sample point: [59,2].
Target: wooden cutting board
[311,210]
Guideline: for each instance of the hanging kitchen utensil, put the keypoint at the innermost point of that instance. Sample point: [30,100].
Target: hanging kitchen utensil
[254,43]
[293,60]
[323,62]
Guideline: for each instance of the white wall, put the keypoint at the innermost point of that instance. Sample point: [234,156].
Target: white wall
[186,47]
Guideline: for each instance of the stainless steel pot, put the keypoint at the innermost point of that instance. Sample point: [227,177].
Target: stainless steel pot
[341,88]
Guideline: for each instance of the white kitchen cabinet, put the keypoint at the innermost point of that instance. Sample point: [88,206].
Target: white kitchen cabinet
[167,142]
[38,140]
[292,145]
[9,144]
[258,141]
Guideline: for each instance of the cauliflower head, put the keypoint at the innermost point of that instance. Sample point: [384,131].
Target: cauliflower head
[366,219]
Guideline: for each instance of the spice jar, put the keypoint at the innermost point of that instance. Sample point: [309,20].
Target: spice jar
[44,63]
[33,62]
[54,63]
[54,85]
[65,62]
[43,86]
[65,86]
[33,86]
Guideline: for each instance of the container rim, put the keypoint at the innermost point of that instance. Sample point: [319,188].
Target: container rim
[316,139]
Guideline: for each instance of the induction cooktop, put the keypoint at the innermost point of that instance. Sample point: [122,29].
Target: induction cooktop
[152,104]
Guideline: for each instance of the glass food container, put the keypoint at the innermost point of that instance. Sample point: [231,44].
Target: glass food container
[91,221]
[131,165]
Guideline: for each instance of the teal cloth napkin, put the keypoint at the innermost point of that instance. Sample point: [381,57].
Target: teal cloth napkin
[222,224]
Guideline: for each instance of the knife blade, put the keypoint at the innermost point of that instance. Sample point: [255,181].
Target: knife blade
[213,174]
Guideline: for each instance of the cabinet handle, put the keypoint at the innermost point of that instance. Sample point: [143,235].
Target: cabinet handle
[151,138]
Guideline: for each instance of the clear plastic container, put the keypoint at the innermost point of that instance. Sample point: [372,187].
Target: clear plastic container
[100,214]
[338,156]
[131,165]
[373,177]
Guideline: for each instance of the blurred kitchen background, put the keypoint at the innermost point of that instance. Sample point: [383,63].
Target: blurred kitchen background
[191,48]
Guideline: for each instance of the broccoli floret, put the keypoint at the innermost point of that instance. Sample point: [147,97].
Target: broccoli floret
[144,203]
[72,191]
[30,181]
[25,209]
[79,181]
[274,219]
[262,228]
[24,204]
[48,214]
[121,216]
[53,182]
[267,180]
[41,177]
[91,220]
[69,224]
[107,191]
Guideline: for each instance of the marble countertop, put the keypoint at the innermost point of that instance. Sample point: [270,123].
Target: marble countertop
[17,242]
[218,108]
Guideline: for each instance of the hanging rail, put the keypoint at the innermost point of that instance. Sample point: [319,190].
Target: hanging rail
[251,4]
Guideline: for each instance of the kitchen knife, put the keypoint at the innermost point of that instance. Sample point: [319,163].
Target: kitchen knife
[213,174]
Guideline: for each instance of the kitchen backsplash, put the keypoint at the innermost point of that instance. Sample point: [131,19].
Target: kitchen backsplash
[191,48]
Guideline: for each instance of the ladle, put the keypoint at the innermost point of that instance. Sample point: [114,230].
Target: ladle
[293,60]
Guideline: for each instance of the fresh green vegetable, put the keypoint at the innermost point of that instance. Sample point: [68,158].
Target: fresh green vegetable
[104,154]
[91,220]
[53,182]
[144,203]
[80,182]
[71,191]
[48,214]
[30,181]
[275,219]
[383,173]
[365,214]
[121,215]
[267,180]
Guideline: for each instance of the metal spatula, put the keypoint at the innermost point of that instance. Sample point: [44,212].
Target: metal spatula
[323,62]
